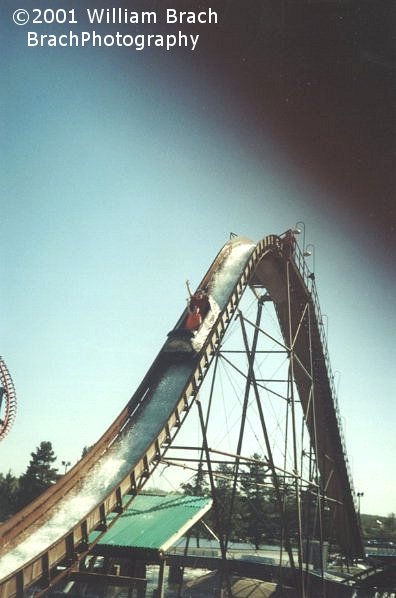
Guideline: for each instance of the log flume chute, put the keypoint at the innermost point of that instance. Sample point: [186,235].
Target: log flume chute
[57,528]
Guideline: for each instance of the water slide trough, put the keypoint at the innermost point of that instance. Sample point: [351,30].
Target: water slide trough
[57,528]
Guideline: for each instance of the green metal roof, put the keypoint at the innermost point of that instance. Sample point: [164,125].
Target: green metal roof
[155,522]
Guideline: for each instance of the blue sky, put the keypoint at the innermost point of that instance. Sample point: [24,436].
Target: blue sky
[120,180]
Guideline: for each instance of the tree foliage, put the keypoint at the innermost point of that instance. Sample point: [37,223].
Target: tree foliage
[17,492]
[257,517]
[379,527]
[198,486]
[258,501]
[247,510]
[39,475]
[9,488]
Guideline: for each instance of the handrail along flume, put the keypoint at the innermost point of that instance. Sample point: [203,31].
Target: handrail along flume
[309,280]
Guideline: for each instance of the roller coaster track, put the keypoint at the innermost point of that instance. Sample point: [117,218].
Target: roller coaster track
[7,400]
[69,518]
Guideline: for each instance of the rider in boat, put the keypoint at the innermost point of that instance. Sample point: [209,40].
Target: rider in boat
[199,299]
[193,320]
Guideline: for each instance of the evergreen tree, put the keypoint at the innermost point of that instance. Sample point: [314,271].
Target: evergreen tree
[39,475]
[390,522]
[223,499]
[8,495]
[226,523]
[86,450]
[198,485]
[257,502]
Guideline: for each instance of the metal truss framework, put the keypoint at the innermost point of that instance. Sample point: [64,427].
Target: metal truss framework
[284,481]
[291,288]
[307,513]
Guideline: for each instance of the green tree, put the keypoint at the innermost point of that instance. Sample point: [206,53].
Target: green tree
[222,499]
[8,495]
[198,486]
[258,507]
[40,474]
[86,450]
[228,520]
[390,522]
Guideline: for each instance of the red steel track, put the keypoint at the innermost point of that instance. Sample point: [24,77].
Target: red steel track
[10,400]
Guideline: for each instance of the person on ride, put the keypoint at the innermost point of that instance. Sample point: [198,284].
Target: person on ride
[193,320]
[199,299]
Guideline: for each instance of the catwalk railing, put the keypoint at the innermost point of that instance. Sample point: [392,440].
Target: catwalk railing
[309,280]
